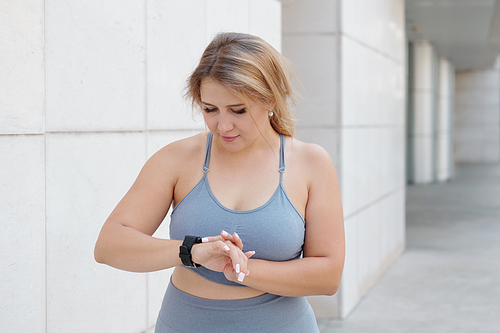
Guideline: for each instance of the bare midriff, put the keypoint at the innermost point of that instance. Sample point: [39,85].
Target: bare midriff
[196,285]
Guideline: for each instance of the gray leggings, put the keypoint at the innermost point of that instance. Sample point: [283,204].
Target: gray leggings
[181,312]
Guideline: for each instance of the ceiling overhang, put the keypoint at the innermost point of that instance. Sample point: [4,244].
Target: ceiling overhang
[467,32]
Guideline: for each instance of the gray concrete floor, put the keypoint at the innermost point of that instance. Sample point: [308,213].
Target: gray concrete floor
[448,279]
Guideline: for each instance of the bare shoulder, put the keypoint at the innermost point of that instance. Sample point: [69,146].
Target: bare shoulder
[310,156]
[181,150]
[312,163]
[184,147]
[177,157]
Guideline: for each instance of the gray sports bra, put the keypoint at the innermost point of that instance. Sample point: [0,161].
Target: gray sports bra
[275,230]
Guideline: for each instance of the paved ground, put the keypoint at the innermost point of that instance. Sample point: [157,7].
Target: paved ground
[448,279]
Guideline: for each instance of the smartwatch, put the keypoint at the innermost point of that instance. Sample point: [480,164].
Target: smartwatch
[185,250]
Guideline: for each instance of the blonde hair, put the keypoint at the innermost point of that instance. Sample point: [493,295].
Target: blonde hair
[248,67]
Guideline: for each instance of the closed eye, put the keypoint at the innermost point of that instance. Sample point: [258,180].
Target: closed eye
[240,111]
[207,110]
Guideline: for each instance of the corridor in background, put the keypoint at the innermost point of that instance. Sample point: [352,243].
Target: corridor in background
[448,278]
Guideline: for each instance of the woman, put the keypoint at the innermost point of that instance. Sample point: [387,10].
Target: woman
[264,208]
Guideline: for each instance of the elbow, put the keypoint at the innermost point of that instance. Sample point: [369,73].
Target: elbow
[332,285]
[103,247]
[99,256]
[331,289]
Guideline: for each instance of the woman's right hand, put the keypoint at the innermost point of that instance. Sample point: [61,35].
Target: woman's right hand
[225,236]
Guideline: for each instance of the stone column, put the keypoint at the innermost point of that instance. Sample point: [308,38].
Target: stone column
[351,65]
[422,111]
[444,120]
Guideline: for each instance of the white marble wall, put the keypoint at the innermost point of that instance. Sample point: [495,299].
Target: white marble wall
[22,240]
[22,167]
[351,64]
[91,90]
[477,116]
[22,67]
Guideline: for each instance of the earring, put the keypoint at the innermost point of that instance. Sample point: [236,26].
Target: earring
[271,113]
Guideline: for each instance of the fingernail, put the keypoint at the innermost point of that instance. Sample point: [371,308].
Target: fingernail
[204,240]
[237,268]
[248,272]
[236,235]
[224,233]
[226,247]
[241,276]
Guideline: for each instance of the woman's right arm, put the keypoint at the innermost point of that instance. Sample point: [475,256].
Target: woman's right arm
[125,240]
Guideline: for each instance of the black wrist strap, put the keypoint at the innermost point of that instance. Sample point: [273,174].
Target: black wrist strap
[185,250]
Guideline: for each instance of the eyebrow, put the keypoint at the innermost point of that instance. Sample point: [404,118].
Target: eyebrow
[228,106]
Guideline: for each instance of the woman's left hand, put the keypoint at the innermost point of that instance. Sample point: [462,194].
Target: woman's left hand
[232,272]
[237,275]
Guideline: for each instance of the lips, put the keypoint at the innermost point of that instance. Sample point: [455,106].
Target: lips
[229,138]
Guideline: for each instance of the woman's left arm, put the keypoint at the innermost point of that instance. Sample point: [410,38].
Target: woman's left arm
[320,270]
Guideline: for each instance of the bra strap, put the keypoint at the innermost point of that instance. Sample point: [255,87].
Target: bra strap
[282,156]
[207,153]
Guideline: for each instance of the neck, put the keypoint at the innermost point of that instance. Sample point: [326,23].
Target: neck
[267,142]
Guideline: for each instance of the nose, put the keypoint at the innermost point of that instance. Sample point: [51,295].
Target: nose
[225,124]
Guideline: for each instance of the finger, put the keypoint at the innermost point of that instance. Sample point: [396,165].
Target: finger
[226,248]
[226,236]
[235,238]
[237,241]
[244,268]
[248,254]
[238,258]
[212,239]
[240,264]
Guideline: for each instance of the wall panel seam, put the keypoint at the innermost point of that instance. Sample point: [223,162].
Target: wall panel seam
[21,134]
[146,132]
[119,131]
[45,159]
[338,50]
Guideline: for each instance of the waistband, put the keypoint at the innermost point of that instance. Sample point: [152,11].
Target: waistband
[225,305]
[182,312]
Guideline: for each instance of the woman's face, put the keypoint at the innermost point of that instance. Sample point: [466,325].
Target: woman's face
[228,118]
